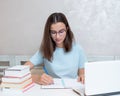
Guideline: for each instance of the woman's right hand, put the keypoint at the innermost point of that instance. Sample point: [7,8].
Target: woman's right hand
[45,79]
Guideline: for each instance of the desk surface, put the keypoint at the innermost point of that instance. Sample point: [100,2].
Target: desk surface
[37,91]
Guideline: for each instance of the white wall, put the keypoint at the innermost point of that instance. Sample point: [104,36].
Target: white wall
[22,22]
[95,23]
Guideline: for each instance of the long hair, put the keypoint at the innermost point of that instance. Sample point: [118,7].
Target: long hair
[48,46]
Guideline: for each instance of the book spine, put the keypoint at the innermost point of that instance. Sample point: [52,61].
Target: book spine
[17,85]
[14,90]
[15,79]
[28,87]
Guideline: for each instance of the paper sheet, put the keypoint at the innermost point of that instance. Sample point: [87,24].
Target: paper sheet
[64,83]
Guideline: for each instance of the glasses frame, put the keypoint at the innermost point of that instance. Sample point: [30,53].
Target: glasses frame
[60,32]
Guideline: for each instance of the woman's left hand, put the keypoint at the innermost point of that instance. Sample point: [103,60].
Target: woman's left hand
[81,76]
[81,79]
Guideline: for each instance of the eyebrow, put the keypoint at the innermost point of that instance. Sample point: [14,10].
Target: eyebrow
[59,30]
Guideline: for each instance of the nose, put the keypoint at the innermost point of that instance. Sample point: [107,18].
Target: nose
[57,35]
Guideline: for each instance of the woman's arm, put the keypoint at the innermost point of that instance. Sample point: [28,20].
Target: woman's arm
[44,79]
[28,63]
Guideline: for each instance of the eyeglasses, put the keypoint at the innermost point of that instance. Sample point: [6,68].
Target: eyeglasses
[60,32]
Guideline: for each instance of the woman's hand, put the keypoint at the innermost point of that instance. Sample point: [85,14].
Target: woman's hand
[44,79]
[81,77]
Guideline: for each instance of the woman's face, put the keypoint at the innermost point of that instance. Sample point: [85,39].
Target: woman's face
[58,33]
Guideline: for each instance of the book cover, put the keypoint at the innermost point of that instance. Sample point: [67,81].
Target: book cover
[19,70]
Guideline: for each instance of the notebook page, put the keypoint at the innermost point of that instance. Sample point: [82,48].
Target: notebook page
[57,84]
[72,83]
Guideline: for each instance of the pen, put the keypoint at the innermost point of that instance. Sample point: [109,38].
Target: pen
[52,82]
[76,92]
[45,70]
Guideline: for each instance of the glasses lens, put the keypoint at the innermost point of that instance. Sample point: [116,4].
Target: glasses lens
[54,33]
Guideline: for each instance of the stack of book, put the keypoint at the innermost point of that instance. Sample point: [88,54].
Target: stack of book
[17,78]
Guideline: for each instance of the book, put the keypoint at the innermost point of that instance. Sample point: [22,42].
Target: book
[13,79]
[64,83]
[15,90]
[17,79]
[17,85]
[17,71]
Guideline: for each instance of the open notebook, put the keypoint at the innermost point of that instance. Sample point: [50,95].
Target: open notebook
[64,83]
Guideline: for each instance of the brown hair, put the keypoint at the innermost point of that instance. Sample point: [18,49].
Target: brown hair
[48,46]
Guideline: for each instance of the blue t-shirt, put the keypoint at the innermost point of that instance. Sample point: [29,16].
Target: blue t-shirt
[63,65]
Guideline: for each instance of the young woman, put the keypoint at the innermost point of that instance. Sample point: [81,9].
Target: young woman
[61,56]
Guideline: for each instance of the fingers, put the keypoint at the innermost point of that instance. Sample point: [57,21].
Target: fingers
[81,79]
[46,79]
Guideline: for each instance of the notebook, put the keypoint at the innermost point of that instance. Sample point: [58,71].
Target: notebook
[63,83]
[102,78]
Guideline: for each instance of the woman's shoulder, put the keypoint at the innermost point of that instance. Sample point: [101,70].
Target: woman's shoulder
[76,45]
[38,53]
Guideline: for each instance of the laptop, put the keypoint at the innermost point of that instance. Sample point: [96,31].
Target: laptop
[102,78]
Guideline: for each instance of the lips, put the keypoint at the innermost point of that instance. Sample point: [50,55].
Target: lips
[57,40]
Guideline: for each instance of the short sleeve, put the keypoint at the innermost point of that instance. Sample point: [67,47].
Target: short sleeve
[82,57]
[37,58]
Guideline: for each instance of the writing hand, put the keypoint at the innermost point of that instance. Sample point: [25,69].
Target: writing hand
[46,79]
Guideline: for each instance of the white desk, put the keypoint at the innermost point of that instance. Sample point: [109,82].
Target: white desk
[37,91]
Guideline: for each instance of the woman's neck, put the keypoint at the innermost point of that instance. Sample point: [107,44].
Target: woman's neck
[60,46]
